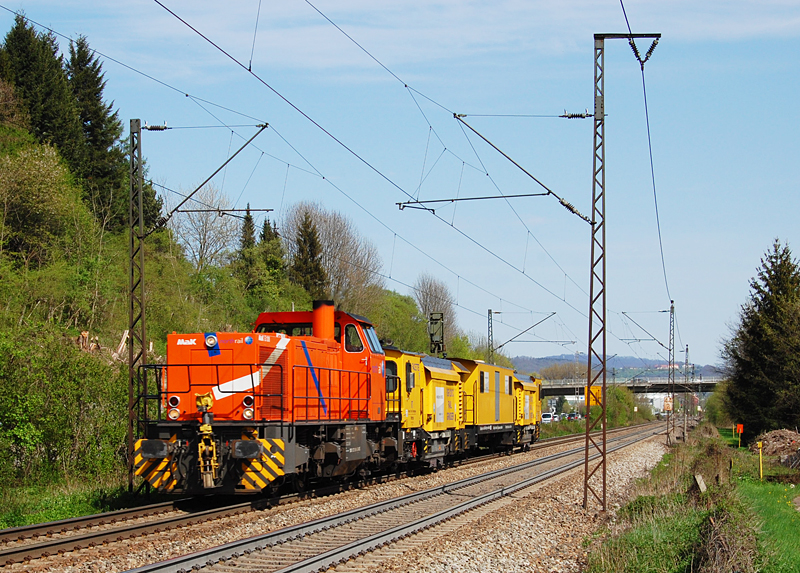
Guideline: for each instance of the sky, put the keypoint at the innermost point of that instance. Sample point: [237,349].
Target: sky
[360,100]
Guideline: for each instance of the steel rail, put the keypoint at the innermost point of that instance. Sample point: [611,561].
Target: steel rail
[236,549]
[29,551]
[61,526]
[36,550]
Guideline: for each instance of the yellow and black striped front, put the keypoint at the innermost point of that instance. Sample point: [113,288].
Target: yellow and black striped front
[161,473]
[258,473]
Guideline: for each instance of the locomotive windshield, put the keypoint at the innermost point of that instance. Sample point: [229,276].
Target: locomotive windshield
[372,339]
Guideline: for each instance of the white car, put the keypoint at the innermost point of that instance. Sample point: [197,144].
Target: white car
[547,417]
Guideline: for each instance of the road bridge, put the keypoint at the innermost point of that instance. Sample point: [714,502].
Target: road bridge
[572,387]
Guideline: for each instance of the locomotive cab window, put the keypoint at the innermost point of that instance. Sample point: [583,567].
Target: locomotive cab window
[391,376]
[352,340]
[409,378]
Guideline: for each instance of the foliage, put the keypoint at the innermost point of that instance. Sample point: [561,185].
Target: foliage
[351,263]
[670,526]
[32,64]
[780,522]
[762,357]
[715,411]
[42,217]
[27,505]
[104,167]
[64,410]
[306,267]
[12,113]
[399,323]
[564,371]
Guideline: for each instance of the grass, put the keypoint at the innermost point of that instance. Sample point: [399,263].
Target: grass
[562,428]
[672,527]
[780,522]
[730,438]
[39,504]
[660,545]
[566,427]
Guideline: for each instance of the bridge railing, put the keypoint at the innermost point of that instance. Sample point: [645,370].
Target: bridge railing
[577,382]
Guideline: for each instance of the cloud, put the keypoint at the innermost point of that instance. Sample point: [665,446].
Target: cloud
[404,33]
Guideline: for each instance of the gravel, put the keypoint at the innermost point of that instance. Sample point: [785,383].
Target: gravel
[542,531]
[547,530]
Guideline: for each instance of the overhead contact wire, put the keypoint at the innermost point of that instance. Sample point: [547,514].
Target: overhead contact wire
[356,155]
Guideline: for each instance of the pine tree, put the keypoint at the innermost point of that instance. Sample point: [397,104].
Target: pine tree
[272,252]
[268,232]
[104,170]
[306,269]
[248,240]
[763,355]
[31,63]
[245,267]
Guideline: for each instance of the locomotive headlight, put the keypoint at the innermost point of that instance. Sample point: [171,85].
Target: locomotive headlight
[248,401]
[173,414]
[248,413]
[174,401]
[211,341]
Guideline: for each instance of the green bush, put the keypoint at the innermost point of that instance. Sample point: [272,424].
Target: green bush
[65,411]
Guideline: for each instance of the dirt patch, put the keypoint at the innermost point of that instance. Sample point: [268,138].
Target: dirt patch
[777,443]
[707,431]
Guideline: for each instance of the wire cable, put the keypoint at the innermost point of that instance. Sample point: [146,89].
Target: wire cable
[198,100]
[255,32]
[355,154]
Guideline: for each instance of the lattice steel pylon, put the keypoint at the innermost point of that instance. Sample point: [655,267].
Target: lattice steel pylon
[490,350]
[597,286]
[671,374]
[137,355]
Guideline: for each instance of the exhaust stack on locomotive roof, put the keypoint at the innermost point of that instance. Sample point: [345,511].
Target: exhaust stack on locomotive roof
[322,319]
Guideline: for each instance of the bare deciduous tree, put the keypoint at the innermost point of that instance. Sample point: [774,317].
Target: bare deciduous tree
[433,295]
[209,238]
[351,262]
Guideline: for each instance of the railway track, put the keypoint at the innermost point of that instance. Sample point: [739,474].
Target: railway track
[323,543]
[42,540]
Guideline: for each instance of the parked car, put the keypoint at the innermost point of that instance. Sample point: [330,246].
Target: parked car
[547,417]
[556,418]
[572,416]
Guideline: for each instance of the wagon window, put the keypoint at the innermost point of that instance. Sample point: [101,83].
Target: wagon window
[391,376]
[409,378]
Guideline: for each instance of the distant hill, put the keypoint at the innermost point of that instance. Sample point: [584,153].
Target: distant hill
[623,365]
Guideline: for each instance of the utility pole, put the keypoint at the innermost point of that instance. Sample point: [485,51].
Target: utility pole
[490,352]
[137,333]
[686,395]
[597,284]
[671,372]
